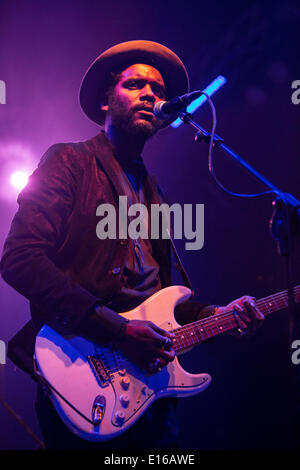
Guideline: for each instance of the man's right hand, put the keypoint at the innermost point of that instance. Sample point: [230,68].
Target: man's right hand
[148,345]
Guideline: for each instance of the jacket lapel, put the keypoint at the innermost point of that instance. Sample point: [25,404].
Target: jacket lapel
[153,195]
[104,154]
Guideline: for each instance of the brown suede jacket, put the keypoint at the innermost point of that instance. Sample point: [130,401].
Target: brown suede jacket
[52,254]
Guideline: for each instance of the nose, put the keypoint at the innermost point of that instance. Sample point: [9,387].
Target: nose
[147,93]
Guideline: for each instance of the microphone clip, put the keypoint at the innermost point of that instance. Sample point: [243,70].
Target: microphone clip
[201,137]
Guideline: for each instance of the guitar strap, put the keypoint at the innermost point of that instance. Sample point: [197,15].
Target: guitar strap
[157,196]
[180,268]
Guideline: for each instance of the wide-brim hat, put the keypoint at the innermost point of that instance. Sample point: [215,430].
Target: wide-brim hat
[96,81]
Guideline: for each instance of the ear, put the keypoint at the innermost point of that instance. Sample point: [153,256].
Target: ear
[104,107]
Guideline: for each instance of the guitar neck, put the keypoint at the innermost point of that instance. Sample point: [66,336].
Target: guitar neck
[195,333]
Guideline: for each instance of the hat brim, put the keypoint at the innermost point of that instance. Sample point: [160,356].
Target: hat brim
[95,83]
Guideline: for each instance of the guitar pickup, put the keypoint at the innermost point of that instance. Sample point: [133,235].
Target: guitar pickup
[99,370]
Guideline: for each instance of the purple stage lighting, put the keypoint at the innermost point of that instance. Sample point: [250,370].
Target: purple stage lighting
[17,163]
[19,179]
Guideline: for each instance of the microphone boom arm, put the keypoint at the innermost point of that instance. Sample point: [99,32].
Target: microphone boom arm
[285,220]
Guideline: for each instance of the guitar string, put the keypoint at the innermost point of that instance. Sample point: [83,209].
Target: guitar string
[280,297]
[182,338]
[209,322]
[208,327]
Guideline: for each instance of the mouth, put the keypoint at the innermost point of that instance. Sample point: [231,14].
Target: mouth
[146,113]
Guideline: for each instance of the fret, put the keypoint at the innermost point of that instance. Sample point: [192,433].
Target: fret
[201,330]
[230,322]
[264,306]
[297,293]
[177,342]
[282,301]
[216,320]
[274,303]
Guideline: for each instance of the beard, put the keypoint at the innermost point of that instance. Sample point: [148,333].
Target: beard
[123,119]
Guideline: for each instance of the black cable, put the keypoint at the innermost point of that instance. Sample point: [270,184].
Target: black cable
[210,158]
[20,420]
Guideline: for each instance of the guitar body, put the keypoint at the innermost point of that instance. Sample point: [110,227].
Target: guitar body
[108,393]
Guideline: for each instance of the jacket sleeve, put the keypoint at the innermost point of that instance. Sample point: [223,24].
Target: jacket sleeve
[190,311]
[37,231]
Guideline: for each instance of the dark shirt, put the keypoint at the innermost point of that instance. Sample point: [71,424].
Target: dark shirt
[140,277]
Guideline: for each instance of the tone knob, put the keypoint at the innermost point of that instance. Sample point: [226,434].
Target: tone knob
[124,399]
[125,382]
[120,416]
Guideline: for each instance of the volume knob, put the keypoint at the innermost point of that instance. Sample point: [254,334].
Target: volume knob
[120,416]
[125,382]
[124,399]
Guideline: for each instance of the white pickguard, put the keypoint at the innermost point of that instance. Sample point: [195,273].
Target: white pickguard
[127,390]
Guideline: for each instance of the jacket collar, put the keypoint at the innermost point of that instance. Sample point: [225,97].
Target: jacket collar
[105,155]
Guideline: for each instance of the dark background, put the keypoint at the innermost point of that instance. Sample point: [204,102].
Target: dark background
[45,48]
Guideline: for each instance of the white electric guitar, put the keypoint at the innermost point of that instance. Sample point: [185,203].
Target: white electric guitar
[99,394]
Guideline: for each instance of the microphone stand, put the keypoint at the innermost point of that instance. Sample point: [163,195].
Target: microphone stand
[284,223]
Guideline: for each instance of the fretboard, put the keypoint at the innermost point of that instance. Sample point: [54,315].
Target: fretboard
[201,330]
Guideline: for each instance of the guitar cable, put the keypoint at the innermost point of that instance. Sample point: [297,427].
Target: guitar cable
[21,421]
[44,382]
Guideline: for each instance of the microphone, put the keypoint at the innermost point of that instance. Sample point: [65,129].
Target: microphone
[166,109]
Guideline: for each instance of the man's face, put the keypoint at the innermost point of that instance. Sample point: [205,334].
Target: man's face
[130,104]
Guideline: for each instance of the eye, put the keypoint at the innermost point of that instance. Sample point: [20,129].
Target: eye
[132,84]
[159,91]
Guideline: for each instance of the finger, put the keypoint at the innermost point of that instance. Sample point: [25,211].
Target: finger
[253,310]
[167,344]
[241,300]
[152,366]
[166,355]
[161,363]
[239,316]
[155,365]
[255,317]
[161,341]
[247,313]
[163,333]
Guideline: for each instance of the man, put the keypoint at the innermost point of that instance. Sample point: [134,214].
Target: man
[76,282]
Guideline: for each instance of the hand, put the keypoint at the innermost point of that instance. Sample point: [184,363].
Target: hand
[149,346]
[249,318]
